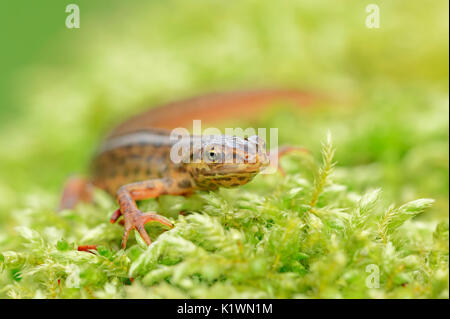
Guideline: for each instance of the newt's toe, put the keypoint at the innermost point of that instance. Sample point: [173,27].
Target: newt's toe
[136,220]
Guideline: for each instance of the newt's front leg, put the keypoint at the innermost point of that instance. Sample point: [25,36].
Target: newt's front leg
[133,217]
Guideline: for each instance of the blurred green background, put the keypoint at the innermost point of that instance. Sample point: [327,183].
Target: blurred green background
[62,89]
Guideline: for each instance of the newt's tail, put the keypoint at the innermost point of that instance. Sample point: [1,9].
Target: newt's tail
[211,108]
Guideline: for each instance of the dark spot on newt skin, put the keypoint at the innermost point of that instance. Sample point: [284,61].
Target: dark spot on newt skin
[135,156]
[209,174]
[148,171]
[185,184]
[242,178]
[156,144]
[112,156]
[206,172]
[181,169]
[234,185]
[203,184]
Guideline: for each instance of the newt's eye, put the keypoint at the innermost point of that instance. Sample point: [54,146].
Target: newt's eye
[212,156]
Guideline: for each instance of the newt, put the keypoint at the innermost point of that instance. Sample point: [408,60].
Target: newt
[133,162]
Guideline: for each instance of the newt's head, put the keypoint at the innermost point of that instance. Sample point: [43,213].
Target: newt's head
[226,161]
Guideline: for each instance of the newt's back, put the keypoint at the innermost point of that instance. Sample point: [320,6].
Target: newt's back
[131,158]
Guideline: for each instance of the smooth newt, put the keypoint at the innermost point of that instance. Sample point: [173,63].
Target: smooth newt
[133,163]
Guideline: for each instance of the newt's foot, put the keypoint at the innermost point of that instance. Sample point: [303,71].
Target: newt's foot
[135,219]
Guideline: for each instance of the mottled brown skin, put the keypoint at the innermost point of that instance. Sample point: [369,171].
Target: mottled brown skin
[141,168]
[134,163]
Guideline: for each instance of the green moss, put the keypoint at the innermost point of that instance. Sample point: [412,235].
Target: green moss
[240,244]
[369,207]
